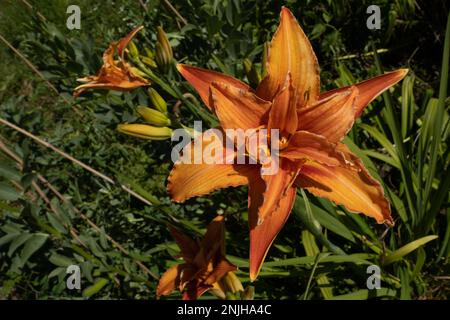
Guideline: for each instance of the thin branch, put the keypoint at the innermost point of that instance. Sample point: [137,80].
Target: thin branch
[175,11]
[30,65]
[31,8]
[78,162]
[143,5]
[33,67]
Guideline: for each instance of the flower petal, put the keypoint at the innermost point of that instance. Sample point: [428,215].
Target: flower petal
[283,114]
[270,203]
[355,189]
[190,180]
[194,290]
[199,172]
[277,185]
[332,117]
[201,80]
[111,76]
[122,44]
[237,108]
[370,89]
[189,248]
[291,51]
[220,270]
[263,235]
[215,234]
[310,146]
[169,281]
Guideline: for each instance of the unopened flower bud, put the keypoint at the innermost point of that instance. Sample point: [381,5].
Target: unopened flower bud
[158,102]
[153,116]
[145,131]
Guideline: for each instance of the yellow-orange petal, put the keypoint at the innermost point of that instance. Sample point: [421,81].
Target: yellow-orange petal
[283,113]
[310,146]
[357,190]
[108,56]
[276,187]
[125,85]
[201,80]
[331,117]
[237,108]
[263,235]
[370,89]
[122,44]
[291,51]
[169,281]
[190,180]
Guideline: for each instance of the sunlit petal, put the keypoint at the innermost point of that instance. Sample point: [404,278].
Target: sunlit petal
[169,281]
[332,117]
[291,51]
[262,235]
[122,44]
[283,114]
[310,146]
[354,189]
[370,89]
[201,80]
[237,108]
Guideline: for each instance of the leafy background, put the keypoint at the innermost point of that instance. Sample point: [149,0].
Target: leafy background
[53,213]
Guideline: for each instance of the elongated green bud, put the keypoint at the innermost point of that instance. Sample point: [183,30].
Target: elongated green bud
[164,54]
[231,283]
[145,131]
[153,116]
[253,76]
[148,61]
[158,102]
[161,59]
[149,53]
[133,50]
[138,73]
[164,41]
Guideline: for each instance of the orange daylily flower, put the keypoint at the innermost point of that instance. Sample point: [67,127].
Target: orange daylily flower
[204,264]
[114,74]
[311,124]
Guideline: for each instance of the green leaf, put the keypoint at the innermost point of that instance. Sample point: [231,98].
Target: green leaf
[357,258]
[8,193]
[407,249]
[9,173]
[20,240]
[366,294]
[60,260]
[95,288]
[55,223]
[383,140]
[33,244]
[8,238]
[302,210]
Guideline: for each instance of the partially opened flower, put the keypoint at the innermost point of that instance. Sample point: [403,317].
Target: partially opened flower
[114,74]
[311,127]
[205,266]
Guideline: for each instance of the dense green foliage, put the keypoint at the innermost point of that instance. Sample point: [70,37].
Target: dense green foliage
[322,252]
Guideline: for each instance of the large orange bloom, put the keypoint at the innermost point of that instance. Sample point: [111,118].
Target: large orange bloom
[114,74]
[311,124]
